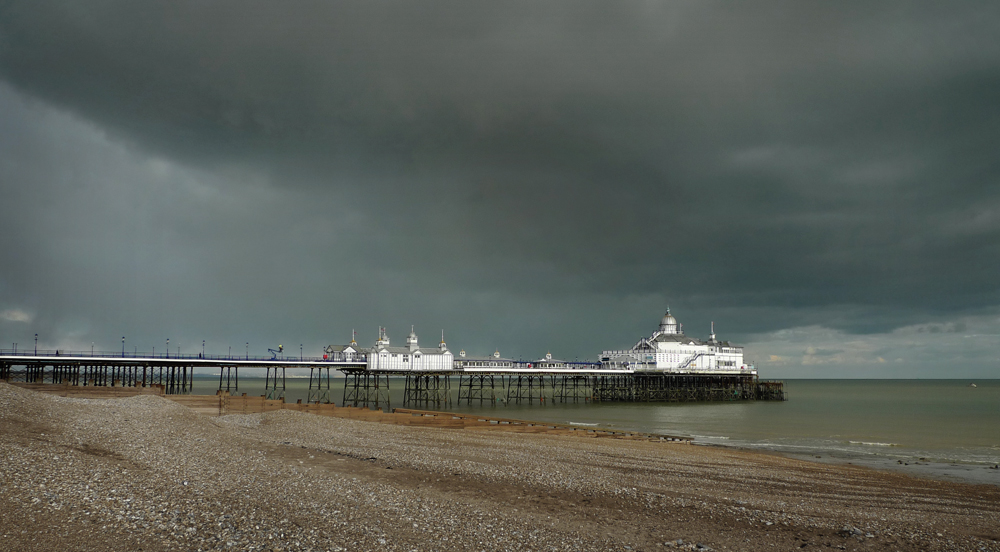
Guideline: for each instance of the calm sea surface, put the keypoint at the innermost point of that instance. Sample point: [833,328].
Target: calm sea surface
[944,421]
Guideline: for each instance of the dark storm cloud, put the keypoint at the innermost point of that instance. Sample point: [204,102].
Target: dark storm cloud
[547,172]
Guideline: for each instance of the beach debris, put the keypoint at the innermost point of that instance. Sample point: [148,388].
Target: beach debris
[680,545]
[851,531]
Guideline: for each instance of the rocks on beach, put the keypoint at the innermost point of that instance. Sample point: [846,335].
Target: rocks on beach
[144,473]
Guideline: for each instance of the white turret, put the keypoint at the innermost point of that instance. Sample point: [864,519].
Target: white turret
[411,340]
[441,346]
[383,340]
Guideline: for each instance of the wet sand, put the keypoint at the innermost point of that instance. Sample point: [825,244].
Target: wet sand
[144,473]
[976,474]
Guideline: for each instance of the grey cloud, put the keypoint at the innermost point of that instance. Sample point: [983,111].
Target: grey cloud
[549,173]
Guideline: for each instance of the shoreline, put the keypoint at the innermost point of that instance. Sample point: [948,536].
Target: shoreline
[958,472]
[911,464]
[953,472]
[166,477]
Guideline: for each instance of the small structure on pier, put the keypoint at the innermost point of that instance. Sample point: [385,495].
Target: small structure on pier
[668,349]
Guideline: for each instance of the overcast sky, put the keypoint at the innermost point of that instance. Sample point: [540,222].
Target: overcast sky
[820,179]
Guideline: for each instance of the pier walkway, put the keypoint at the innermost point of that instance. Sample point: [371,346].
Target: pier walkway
[516,383]
[175,372]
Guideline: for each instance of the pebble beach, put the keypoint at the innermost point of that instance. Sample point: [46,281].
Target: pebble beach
[144,473]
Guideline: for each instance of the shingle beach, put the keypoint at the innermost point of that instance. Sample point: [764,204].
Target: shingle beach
[144,473]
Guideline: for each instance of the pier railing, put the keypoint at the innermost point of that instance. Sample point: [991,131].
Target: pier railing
[329,357]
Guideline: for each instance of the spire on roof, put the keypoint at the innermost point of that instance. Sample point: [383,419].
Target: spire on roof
[411,340]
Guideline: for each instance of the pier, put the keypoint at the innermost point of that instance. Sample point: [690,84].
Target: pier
[175,373]
[525,383]
[517,382]
[597,385]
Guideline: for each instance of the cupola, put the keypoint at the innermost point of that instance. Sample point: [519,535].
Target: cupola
[669,324]
[411,340]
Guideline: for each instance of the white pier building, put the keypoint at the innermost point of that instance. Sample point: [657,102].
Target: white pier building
[669,350]
[411,358]
[492,362]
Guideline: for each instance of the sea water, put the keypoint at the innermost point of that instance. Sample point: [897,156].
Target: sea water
[942,423]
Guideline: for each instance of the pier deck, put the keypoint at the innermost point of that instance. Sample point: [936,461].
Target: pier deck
[583,382]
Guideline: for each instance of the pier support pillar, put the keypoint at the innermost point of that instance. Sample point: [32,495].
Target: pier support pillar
[229,380]
[364,388]
[274,383]
[319,385]
[427,389]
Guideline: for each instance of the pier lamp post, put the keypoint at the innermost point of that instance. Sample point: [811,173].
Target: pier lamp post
[91,348]
[168,347]
[36,344]
[202,348]
[123,346]
[248,350]
[300,352]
